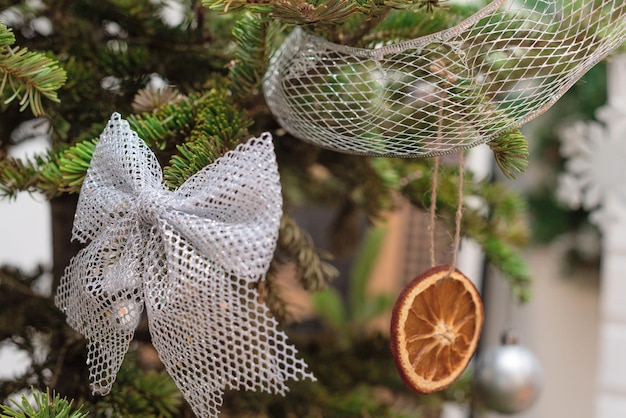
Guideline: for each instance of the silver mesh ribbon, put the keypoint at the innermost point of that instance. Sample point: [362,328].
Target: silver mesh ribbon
[190,257]
[444,92]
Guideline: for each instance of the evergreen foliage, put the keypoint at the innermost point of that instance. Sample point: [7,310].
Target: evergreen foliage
[511,153]
[105,56]
[136,393]
[44,407]
[253,32]
[26,75]
[501,231]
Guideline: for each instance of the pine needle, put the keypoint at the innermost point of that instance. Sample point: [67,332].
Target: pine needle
[27,75]
[511,153]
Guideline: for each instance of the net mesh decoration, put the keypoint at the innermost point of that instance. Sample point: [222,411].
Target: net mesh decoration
[190,257]
[444,92]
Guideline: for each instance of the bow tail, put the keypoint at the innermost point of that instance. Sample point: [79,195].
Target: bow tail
[103,301]
[211,331]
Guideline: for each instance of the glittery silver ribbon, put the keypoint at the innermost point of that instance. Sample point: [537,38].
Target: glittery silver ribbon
[190,257]
[444,92]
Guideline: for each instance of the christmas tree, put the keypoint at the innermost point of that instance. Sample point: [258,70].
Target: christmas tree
[188,77]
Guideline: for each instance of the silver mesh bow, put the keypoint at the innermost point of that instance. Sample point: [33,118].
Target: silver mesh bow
[190,257]
[443,92]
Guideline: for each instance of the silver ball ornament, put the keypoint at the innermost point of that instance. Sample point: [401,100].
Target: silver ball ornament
[507,378]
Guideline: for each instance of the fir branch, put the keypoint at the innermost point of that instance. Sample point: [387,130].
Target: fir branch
[169,124]
[44,407]
[141,393]
[51,174]
[227,6]
[251,33]
[507,211]
[72,166]
[218,126]
[324,13]
[15,176]
[403,24]
[174,122]
[330,12]
[511,264]
[293,11]
[270,291]
[500,229]
[204,126]
[511,152]
[27,75]
[313,272]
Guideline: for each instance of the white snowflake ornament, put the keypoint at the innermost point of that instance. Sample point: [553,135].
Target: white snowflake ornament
[594,178]
[191,257]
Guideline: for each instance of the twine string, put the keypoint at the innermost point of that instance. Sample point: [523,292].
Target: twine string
[433,210]
[458,216]
[433,197]
[433,189]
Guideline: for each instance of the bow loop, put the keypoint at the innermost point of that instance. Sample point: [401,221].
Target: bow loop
[121,166]
[152,204]
[224,205]
[102,296]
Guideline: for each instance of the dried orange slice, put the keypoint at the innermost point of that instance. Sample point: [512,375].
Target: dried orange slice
[435,327]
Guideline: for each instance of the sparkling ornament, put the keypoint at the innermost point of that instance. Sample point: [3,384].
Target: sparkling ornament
[190,257]
[507,378]
[446,91]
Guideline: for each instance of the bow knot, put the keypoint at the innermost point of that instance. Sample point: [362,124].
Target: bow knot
[188,258]
[151,205]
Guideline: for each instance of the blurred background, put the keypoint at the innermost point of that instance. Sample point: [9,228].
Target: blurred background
[573,321]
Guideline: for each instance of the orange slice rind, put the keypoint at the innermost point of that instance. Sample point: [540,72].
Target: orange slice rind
[435,327]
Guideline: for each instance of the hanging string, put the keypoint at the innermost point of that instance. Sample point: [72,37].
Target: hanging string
[433,195]
[432,211]
[433,189]
[458,215]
